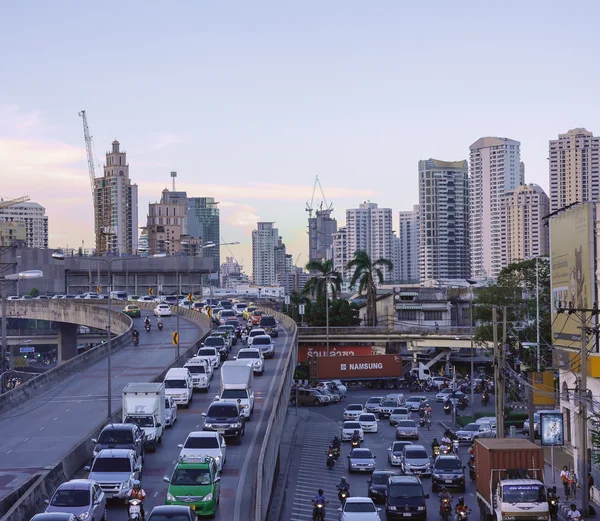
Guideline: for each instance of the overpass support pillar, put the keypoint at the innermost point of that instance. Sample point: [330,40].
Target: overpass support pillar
[67,341]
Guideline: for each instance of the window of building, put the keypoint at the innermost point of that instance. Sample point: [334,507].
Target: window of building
[407,314]
[433,315]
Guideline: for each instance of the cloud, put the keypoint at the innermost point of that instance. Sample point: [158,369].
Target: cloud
[165,140]
[236,214]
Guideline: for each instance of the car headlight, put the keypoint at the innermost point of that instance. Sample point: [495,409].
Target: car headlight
[217,458]
[392,507]
[208,497]
[237,425]
[170,497]
[150,436]
[421,508]
[83,516]
[437,476]
[126,484]
[208,425]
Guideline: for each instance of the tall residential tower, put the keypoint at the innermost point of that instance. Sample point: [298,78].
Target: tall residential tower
[320,234]
[265,239]
[408,238]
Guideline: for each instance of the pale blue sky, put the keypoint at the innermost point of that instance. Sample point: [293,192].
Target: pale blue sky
[248,101]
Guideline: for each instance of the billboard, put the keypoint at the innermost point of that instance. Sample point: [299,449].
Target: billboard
[552,428]
[305,352]
[572,269]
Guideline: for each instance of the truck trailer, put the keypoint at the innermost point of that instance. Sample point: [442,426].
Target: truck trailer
[144,405]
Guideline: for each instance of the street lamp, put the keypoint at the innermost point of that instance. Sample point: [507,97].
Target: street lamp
[471,282]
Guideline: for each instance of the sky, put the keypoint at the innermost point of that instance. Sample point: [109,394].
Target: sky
[249,101]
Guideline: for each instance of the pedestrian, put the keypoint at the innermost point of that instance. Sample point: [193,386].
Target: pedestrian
[573,484]
[437,328]
[590,485]
[564,478]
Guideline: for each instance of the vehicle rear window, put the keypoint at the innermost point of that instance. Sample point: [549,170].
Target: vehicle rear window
[222,410]
[216,341]
[248,354]
[230,394]
[380,479]
[416,453]
[359,507]
[111,465]
[400,411]
[203,442]
[196,369]
[407,423]
[367,418]
[448,464]
[114,436]
[268,321]
[210,351]
[390,403]
[228,313]
[261,341]
[351,425]
[71,498]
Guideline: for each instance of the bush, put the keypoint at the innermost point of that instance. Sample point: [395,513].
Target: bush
[464,420]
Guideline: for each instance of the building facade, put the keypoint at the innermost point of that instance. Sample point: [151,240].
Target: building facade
[25,224]
[264,241]
[339,252]
[495,168]
[526,233]
[320,234]
[116,210]
[409,240]
[204,223]
[444,219]
[574,163]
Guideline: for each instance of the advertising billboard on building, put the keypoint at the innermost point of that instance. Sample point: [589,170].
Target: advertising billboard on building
[572,269]
[306,352]
[552,428]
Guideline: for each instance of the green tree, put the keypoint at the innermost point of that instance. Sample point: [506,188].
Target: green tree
[368,275]
[293,309]
[34,292]
[324,276]
[341,313]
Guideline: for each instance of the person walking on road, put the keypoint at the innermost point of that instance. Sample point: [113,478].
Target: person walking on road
[564,479]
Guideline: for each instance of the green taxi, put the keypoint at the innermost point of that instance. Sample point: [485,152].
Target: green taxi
[195,482]
[132,311]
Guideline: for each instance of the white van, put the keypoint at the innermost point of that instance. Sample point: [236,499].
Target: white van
[119,295]
[179,385]
[201,372]
[236,384]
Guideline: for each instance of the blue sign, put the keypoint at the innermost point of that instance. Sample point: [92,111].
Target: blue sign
[27,349]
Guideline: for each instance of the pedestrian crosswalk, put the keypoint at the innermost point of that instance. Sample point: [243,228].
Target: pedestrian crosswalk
[313,473]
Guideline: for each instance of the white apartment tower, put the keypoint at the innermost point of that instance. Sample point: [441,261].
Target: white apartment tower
[408,245]
[495,168]
[116,212]
[444,219]
[339,252]
[369,228]
[264,241]
[526,233]
[35,219]
[574,168]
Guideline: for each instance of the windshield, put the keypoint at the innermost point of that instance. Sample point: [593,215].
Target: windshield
[191,477]
[142,421]
[71,498]
[366,418]
[524,493]
[196,369]
[351,425]
[374,400]
[195,442]
[354,408]
[209,351]
[390,403]
[397,447]
[471,427]
[407,423]
[228,313]
[257,332]
[214,341]
[222,410]
[111,465]
[248,354]
[405,490]
[400,411]
[267,321]
[448,464]
[175,384]
[261,341]
[229,394]
[416,454]
[113,436]
[359,507]
[380,479]
[361,454]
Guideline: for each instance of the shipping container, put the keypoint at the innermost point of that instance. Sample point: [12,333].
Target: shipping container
[505,455]
[306,352]
[357,368]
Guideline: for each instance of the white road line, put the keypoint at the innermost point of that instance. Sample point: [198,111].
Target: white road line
[55,419]
[41,428]
[8,452]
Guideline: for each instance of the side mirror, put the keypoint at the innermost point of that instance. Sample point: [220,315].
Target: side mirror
[339,509]
[217,479]
[94,440]
[426,496]
[47,501]
[203,414]
[138,467]
[166,479]
[87,468]
[369,482]
[180,445]
[379,510]
[159,424]
[202,345]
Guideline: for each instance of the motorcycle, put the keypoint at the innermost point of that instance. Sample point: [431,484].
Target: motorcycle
[135,510]
[472,472]
[436,451]
[428,423]
[160,326]
[244,338]
[553,507]
[136,340]
[455,446]
[318,511]
[330,461]
[445,449]
[446,509]
[336,452]
[422,421]
[148,327]
[484,399]
[463,515]
[447,408]
[342,495]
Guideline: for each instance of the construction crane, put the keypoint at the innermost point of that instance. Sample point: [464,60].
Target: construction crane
[90,153]
[297,258]
[309,206]
[12,202]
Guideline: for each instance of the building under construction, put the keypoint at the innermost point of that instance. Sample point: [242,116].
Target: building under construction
[321,227]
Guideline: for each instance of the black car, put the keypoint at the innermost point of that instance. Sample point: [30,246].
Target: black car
[120,436]
[225,418]
[377,484]
[269,324]
[172,513]
[219,343]
[405,498]
[448,471]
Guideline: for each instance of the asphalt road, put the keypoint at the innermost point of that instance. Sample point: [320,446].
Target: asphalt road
[308,471]
[47,427]
[238,473]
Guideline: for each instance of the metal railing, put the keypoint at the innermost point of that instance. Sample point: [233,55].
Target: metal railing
[383,330]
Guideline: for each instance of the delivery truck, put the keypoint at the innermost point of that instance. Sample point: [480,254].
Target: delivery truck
[144,405]
[509,480]
[237,379]
[377,371]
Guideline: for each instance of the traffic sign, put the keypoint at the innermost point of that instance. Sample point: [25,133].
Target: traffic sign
[175,338]
[150,291]
[27,349]
[301,308]
[209,311]
[287,300]
[190,297]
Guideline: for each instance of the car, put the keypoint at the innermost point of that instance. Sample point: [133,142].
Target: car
[491,420]
[170,411]
[255,332]
[120,436]
[264,343]
[407,429]
[226,314]
[326,397]
[81,497]
[348,428]
[211,354]
[373,404]
[333,397]
[396,396]
[201,371]
[361,460]
[455,396]
[146,298]
[307,397]
[368,422]
[229,330]
[195,482]
[220,341]
[205,443]
[414,402]
[115,470]
[172,513]
[332,389]
[132,311]
[377,484]
[438,381]
[448,471]
[443,395]
[133,298]
[247,313]
[226,418]
[269,324]
[405,499]
[359,509]
[162,310]
[473,431]
[395,452]
[386,408]
[239,308]
[254,356]
[226,304]
[255,317]
[54,516]
[197,306]
[415,460]
[399,414]
[353,411]
[337,386]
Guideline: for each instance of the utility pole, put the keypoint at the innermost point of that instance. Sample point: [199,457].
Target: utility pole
[501,387]
[497,360]
[537,313]
[582,452]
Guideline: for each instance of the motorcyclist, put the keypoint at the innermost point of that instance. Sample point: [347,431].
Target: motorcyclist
[147,322]
[336,443]
[343,486]
[319,499]
[460,507]
[435,443]
[446,440]
[159,322]
[356,436]
[137,492]
[552,502]
[443,495]
[427,410]
[330,459]
[135,333]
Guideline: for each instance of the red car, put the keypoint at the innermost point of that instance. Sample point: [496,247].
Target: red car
[256,316]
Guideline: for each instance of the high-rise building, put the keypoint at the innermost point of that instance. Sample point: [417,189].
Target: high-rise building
[320,234]
[526,233]
[339,252]
[574,168]
[408,246]
[116,212]
[34,217]
[495,168]
[264,241]
[204,223]
[231,273]
[283,262]
[444,219]
[143,242]
[369,228]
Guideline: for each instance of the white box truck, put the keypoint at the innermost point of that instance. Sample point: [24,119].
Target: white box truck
[144,405]
[237,380]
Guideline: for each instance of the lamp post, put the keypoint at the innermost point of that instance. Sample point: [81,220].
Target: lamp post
[471,282]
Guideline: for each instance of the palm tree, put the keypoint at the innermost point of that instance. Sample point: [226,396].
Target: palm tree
[368,274]
[325,276]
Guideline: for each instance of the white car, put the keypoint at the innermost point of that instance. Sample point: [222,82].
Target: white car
[170,411]
[359,509]
[162,310]
[348,429]
[414,402]
[146,298]
[265,344]
[440,380]
[443,395]
[211,354]
[373,403]
[399,414]
[239,308]
[368,422]
[395,452]
[254,356]
[205,443]
[254,333]
[342,389]
[353,411]
[201,371]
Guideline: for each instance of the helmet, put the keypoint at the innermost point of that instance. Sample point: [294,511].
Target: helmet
[335,439]
[444,489]
[343,479]
[320,492]
[435,440]
[461,500]
[356,431]
[573,507]
[136,483]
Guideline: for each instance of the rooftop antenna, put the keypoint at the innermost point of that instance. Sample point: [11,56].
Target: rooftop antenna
[173,176]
